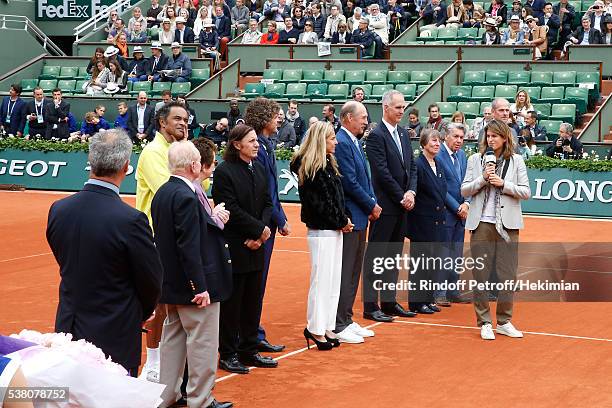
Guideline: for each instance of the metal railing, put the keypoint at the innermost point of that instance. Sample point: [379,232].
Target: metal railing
[23,23]
[93,23]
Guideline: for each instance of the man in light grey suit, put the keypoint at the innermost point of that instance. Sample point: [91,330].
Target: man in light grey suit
[494,218]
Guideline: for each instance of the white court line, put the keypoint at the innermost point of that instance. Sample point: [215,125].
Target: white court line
[567,336]
[293,353]
[25,257]
[291,250]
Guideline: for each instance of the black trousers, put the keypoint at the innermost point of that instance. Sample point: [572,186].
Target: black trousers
[353,248]
[239,319]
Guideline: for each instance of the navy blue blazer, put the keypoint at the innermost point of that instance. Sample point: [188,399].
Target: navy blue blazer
[224,26]
[163,62]
[427,219]
[188,36]
[391,176]
[17,119]
[359,198]
[110,271]
[265,156]
[453,182]
[537,6]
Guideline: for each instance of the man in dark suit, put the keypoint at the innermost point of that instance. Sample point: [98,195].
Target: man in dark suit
[569,12]
[586,35]
[289,35]
[342,36]
[157,62]
[141,120]
[57,117]
[261,114]
[552,22]
[35,113]
[537,6]
[360,202]
[110,274]
[192,286]
[454,162]
[183,34]
[12,114]
[242,184]
[394,177]
[363,36]
[531,124]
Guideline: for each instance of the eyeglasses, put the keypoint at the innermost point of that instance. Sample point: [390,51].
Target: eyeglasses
[308,25]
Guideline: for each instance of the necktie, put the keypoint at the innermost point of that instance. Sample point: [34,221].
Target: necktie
[456,164]
[397,141]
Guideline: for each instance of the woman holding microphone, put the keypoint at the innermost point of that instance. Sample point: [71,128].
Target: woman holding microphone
[496,180]
[323,213]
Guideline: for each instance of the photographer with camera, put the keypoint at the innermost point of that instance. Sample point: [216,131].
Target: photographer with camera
[597,14]
[566,146]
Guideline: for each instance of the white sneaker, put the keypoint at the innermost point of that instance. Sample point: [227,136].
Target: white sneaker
[150,373]
[509,330]
[360,331]
[349,336]
[486,332]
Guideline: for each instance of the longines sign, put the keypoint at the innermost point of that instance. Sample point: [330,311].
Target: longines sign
[75,10]
[554,192]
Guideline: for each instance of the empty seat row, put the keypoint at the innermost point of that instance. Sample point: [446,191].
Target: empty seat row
[542,78]
[359,76]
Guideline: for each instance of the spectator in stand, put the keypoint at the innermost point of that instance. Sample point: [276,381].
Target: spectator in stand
[333,20]
[168,13]
[521,107]
[166,97]
[513,35]
[308,36]
[137,16]
[223,26]
[414,123]
[198,25]
[233,115]
[116,80]
[35,113]
[537,6]
[111,52]
[286,132]
[240,17]
[526,144]
[252,35]
[209,42]
[317,19]
[289,35]
[536,131]
[553,23]
[349,8]
[480,123]
[537,36]
[491,35]
[272,36]
[183,34]
[329,115]
[298,18]
[166,34]
[98,55]
[152,14]
[607,34]
[597,13]
[379,23]
[474,14]
[353,22]
[157,62]
[110,22]
[585,35]
[276,10]
[498,11]
[137,71]
[566,145]
[122,118]
[180,63]
[137,34]
[435,120]
[255,8]
[192,120]
[121,45]
[456,12]
[99,78]
[327,6]
[363,36]
[217,132]
[459,117]
[294,119]
[92,125]
[118,28]
[141,120]
[392,9]
[12,112]
[434,14]
[57,117]
[342,36]
[189,12]
[516,10]
[501,111]
[566,13]
[395,27]
[224,8]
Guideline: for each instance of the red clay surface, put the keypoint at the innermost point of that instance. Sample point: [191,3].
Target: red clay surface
[438,360]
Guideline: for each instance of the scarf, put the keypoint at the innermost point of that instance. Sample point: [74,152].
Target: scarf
[292,118]
[499,226]
[435,123]
[123,50]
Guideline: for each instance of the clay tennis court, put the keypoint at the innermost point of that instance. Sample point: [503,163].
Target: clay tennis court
[565,359]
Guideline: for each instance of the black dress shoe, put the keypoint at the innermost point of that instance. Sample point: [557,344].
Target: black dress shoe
[217,404]
[423,309]
[397,310]
[233,365]
[257,360]
[265,347]
[180,403]
[433,307]
[377,316]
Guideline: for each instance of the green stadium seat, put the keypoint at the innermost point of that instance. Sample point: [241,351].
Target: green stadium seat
[459,93]
[473,78]
[579,97]
[379,90]
[420,77]
[467,33]
[48,85]
[67,85]
[179,88]
[564,112]
[292,75]
[506,91]
[159,87]
[253,90]
[199,76]
[398,77]
[82,74]
[129,86]
[564,78]
[543,110]
[369,52]
[428,35]
[295,91]
[454,42]
[273,73]
[447,108]
[585,5]
[275,90]
[481,31]
[588,77]
[50,72]
[421,88]
[141,86]
[483,93]
[439,42]
[552,126]
[541,78]
[469,109]
[28,84]
[496,76]
[78,88]
[408,90]
[354,76]
[333,76]
[532,91]
[376,77]
[447,33]
[68,72]
[367,89]
[338,91]
[483,105]
[519,77]
[316,91]
[551,94]
[436,74]
[312,75]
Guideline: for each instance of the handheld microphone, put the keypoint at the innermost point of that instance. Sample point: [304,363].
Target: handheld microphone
[489,157]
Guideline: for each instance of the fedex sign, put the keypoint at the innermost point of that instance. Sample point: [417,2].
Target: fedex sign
[69,9]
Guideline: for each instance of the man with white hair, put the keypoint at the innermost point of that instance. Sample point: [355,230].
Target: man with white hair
[191,288]
[379,23]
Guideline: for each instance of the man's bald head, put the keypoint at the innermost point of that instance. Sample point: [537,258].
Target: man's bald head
[354,117]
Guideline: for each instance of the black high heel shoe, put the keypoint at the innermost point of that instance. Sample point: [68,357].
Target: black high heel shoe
[321,345]
[334,342]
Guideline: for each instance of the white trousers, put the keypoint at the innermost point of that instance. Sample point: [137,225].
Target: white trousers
[325,275]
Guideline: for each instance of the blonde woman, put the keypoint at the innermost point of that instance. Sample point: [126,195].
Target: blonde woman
[323,213]
[137,16]
[521,107]
[198,24]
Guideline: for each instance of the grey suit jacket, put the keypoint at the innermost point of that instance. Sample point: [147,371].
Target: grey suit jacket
[516,188]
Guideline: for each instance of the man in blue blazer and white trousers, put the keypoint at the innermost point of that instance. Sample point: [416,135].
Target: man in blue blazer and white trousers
[360,203]
[454,161]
